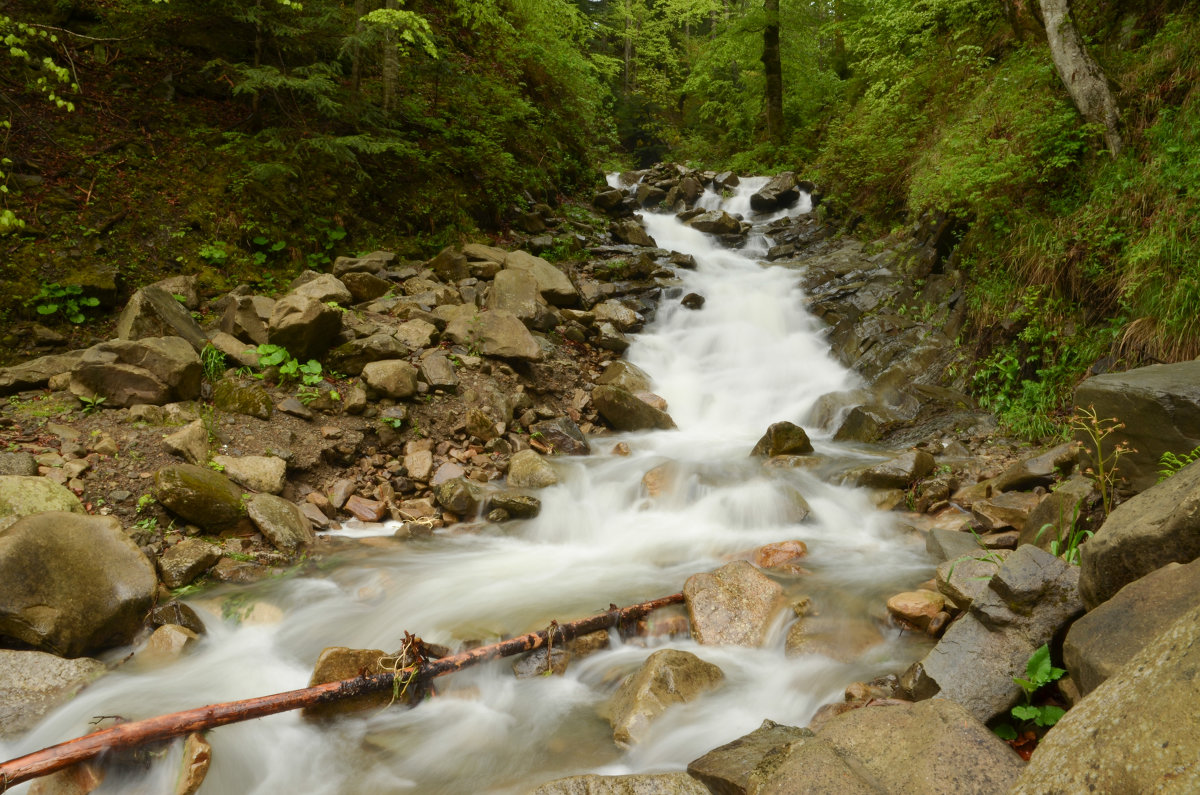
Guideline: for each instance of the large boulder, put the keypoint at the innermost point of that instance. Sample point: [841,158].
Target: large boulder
[625,411]
[152,312]
[1042,469]
[186,561]
[34,682]
[783,438]
[516,291]
[1137,732]
[668,677]
[1071,506]
[561,435]
[553,284]
[246,318]
[1098,644]
[528,470]
[460,495]
[281,522]
[255,472]
[1028,600]
[898,473]
[324,287]
[494,333]
[631,231]
[25,495]
[733,605]
[198,495]
[716,222]
[1159,526]
[154,371]
[303,325]
[253,400]
[781,191]
[727,769]
[642,784]
[37,373]
[625,375]
[1159,409]
[392,378]
[72,584]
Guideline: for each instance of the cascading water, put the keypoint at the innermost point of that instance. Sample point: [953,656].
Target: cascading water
[750,357]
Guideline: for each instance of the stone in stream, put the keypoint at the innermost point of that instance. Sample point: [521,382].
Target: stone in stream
[72,584]
[640,784]
[630,230]
[197,756]
[34,682]
[528,470]
[668,677]
[1136,732]
[561,435]
[281,522]
[717,222]
[842,638]
[337,663]
[898,473]
[781,555]
[166,645]
[515,505]
[627,412]
[917,608]
[1159,526]
[733,605]
[783,438]
[461,496]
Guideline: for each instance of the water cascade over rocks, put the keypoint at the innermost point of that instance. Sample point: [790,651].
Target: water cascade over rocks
[613,529]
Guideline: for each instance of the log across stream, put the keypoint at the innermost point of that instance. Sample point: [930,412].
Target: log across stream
[750,357]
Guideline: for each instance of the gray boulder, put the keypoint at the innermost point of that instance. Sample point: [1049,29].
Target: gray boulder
[189,443]
[392,378]
[495,333]
[251,400]
[716,222]
[438,371]
[513,504]
[528,470]
[625,375]
[18,463]
[265,473]
[365,287]
[1159,526]
[1098,644]
[631,231]
[33,682]
[561,435]
[450,265]
[127,372]
[353,356]
[783,438]
[668,677]
[37,373]
[24,495]
[1159,407]
[781,191]
[1137,732]
[1027,601]
[643,784]
[553,284]
[324,287]
[727,769]
[186,561]
[198,495]
[733,605]
[620,316]
[1042,469]
[625,411]
[152,312]
[246,317]
[303,325]
[72,584]
[416,333]
[516,291]
[1070,506]
[374,262]
[281,522]
[899,473]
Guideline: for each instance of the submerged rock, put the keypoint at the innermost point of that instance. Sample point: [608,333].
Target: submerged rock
[668,677]
[733,605]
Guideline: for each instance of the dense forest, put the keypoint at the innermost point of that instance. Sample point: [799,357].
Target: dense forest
[247,140]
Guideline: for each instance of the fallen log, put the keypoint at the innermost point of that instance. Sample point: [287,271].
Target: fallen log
[177,724]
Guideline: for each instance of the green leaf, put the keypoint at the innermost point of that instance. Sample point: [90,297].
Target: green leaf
[1005,731]
[1038,668]
[47,309]
[1025,712]
[1048,716]
[1026,685]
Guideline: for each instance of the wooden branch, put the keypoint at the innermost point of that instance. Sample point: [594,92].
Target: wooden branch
[177,724]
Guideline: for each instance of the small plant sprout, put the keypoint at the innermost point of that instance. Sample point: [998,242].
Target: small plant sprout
[1038,673]
[1169,463]
[92,404]
[1103,470]
[68,300]
[213,362]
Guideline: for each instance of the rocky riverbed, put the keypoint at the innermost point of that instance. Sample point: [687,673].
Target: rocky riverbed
[226,439]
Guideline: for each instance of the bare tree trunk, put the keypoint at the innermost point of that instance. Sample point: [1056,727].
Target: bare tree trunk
[360,8]
[1083,77]
[773,68]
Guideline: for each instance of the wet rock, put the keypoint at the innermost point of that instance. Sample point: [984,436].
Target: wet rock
[176,612]
[516,506]
[33,682]
[1105,639]
[727,769]
[72,584]
[152,312]
[337,663]
[1159,409]
[732,606]
[155,370]
[626,412]
[642,784]
[528,470]
[917,608]
[692,301]
[952,544]
[716,222]
[561,435]
[668,677]
[303,325]
[782,555]
[365,510]
[282,523]
[21,495]
[862,424]
[198,495]
[197,756]
[842,638]
[781,191]
[493,332]
[899,473]
[1137,732]
[607,199]
[631,231]
[1159,526]
[187,560]
[461,496]
[392,378]
[609,337]
[1007,510]
[1028,600]
[189,443]
[255,472]
[166,644]
[783,438]
[620,316]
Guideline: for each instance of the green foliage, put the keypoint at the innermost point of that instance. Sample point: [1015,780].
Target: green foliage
[214,253]
[92,404]
[66,300]
[1169,463]
[1039,673]
[289,368]
[1103,470]
[212,361]
[1070,537]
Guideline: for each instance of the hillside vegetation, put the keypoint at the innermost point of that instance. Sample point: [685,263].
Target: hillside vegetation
[248,140]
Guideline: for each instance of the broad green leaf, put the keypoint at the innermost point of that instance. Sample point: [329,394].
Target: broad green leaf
[1048,716]
[1005,731]
[1026,712]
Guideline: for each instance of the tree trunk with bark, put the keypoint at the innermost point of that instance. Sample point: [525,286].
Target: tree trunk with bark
[773,68]
[1083,77]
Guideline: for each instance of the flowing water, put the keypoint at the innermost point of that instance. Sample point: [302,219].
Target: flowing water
[752,356]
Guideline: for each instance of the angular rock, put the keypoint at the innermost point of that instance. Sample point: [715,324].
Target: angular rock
[392,378]
[642,784]
[516,291]
[36,373]
[18,464]
[1159,526]
[251,400]
[337,663]
[34,682]
[152,312]
[528,470]
[619,315]
[1137,732]
[23,495]
[1105,639]
[353,356]
[561,435]
[365,510]
[1072,504]
[727,769]
[419,465]
[517,506]
[1040,470]
[365,287]
[780,555]
[246,317]
[281,522]
[303,325]
[610,338]
[198,495]
[781,191]
[438,371]
[899,473]
[494,333]
[783,438]
[255,472]
[176,612]
[323,287]
[1007,510]
[186,561]
[631,231]
[72,584]
[197,756]
[965,579]
[717,222]
[553,284]
[731,606]
[917,608]
[668,677]
[166,644]
[462,496]
[155,370]
[189,443]
[626,412]
[416,333]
